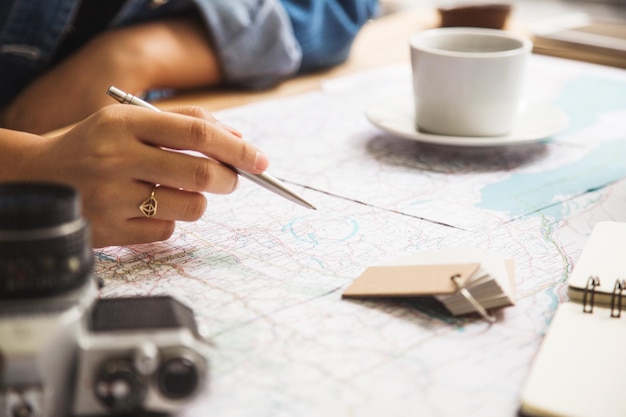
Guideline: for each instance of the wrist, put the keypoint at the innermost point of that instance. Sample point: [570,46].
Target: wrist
[23,156]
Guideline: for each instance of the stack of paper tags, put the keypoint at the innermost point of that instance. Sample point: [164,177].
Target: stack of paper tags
[465,279]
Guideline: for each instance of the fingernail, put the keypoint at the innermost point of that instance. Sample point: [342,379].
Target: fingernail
[230,129]
[261,162]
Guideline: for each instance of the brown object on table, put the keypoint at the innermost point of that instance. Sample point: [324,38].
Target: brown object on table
[597,41]
[492,15]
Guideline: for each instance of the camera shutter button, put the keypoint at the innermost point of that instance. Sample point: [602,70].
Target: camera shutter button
[146,359]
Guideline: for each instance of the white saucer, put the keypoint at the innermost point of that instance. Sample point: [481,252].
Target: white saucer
[538,121]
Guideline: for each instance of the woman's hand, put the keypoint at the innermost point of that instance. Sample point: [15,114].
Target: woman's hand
[116,156]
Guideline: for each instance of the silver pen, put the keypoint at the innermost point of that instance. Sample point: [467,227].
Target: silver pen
[264,180]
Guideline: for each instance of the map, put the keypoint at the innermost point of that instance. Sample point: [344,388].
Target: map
[265,276]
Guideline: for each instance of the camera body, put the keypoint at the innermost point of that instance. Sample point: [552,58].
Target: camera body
[64,351]
[138,353]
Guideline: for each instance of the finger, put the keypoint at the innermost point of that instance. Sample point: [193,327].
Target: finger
[202,113]
[136,231]
[164,203]
[179,131]
[180,170]
[120,221]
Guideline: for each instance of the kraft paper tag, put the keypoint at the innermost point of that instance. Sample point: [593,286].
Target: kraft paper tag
[410,280]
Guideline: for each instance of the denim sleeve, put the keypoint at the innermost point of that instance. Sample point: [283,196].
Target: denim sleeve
[260,42]
[30,30]
[253,39]
[325,29]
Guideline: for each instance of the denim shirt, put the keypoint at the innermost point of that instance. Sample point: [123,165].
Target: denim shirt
[258,42]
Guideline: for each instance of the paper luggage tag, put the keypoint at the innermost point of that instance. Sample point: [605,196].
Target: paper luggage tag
[410,280]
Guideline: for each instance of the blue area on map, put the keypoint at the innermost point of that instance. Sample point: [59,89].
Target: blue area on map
[522,193]
[584,100]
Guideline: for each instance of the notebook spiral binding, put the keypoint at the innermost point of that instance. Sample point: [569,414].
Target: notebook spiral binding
[616,296]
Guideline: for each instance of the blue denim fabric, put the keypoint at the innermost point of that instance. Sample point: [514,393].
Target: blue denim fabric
[24,47]
[325,29]
[255,44]
[258,42]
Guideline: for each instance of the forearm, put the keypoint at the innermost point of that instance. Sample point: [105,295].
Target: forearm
[163,54]
[22,157]
[177,54]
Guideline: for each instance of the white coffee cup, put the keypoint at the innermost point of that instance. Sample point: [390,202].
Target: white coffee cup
[468,81]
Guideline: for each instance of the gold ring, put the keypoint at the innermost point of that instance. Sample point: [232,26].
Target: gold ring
[149,206]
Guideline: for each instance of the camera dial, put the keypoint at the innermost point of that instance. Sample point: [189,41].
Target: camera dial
[119,387]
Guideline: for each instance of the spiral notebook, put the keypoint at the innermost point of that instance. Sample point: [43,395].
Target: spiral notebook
[604,257]
[579,370]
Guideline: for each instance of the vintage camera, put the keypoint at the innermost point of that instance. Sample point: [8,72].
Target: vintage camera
[64,351]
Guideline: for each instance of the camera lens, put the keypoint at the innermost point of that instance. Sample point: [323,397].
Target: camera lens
[27,206]
[178,378]
[44,242]
[118,387]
